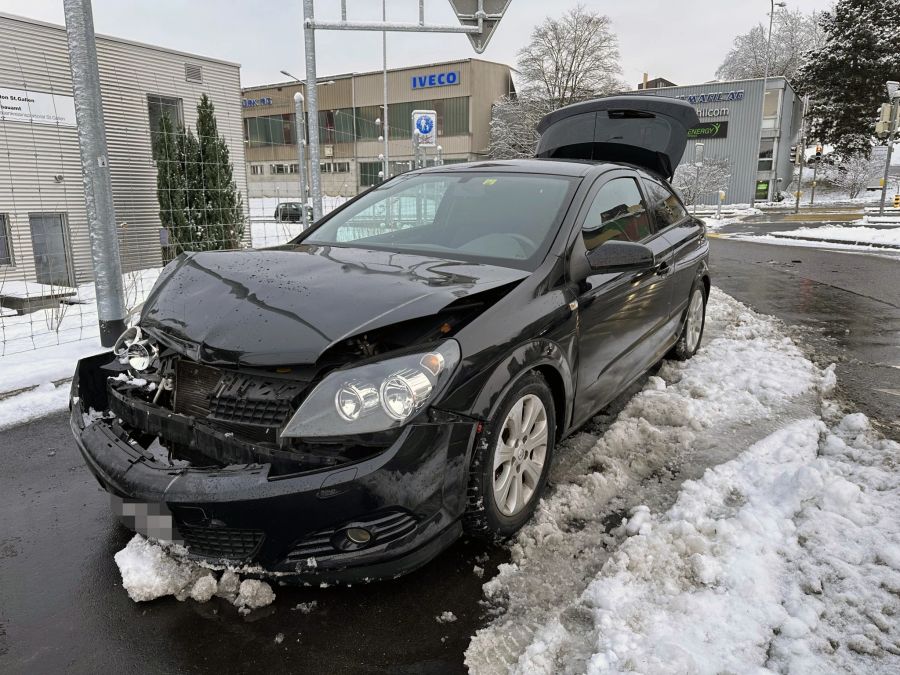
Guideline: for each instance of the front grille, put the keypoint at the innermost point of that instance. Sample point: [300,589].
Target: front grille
[385,528]
[267,412]
[194,385]
[221,542]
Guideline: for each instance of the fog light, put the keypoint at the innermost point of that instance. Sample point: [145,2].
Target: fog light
[359,536]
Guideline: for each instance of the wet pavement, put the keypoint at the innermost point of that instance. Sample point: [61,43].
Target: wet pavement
[62,607]
[844,305]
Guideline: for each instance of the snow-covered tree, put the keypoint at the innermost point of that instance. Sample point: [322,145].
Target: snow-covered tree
[794,33]
[855,173]
[567,59]
[846,77]
[570,58]
[693,181]
[513,126]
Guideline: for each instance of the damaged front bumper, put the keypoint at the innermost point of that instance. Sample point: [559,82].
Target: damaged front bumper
[371,519]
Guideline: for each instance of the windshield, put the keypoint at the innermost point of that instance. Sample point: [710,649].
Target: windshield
[502,218]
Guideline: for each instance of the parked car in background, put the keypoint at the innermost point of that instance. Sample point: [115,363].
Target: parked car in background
[290,212]
[346,405]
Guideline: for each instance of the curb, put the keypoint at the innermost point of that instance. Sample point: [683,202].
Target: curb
[15,392]
[894,247]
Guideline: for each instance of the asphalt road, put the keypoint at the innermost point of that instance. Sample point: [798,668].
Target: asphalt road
[62,607]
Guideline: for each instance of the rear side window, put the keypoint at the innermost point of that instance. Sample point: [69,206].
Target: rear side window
[666,207]
[617,212]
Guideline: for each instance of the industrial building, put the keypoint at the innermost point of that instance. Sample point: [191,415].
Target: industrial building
[750,131]
[461,92]
[43,223]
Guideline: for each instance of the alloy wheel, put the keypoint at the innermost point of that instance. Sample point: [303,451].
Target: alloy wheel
[694,321]
[520,454]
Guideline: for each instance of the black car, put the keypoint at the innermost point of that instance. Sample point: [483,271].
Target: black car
[347,405]
[291,212]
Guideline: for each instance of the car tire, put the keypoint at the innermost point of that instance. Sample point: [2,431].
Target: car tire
[510,464]
[692,327]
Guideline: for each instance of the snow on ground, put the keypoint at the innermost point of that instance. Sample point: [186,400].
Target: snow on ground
[785,556]
[149,572]
[734,216]
[851,234]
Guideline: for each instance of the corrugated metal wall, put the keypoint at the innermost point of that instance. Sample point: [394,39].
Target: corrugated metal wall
[741,147]
[33,157]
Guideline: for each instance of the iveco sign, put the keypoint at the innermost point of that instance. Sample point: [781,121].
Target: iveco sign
[253,102]
[435,80]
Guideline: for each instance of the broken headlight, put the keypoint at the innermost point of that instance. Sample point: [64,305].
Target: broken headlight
[374,397]
[135,351]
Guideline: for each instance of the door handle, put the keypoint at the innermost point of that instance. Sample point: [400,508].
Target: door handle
[662,268]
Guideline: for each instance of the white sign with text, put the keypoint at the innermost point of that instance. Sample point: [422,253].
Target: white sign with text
[37,107]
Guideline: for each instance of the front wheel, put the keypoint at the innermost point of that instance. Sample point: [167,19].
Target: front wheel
[694,322]
[511,460]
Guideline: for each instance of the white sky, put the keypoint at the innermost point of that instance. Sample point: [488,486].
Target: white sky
[681,40]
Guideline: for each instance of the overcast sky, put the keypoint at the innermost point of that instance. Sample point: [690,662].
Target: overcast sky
[681,40]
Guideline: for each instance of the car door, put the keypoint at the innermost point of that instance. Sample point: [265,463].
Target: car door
[619,313]
[687,237]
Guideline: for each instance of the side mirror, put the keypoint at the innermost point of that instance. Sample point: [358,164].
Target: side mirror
[621,256]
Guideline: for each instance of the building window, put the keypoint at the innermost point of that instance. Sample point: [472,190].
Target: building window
[5,241]
[368,173]
[366,128]
[278,169]
[770,108]
[257,170]
[157,108]
[766,153]
[344,130]
[341,167]
[266,130]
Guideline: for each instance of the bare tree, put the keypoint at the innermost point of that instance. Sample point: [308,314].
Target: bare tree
[855,173]
[694,181]
[514,127]
[794,34]
[570,58]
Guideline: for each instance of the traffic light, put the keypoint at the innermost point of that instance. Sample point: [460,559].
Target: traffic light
[818,153]
[793,154]
[897,201]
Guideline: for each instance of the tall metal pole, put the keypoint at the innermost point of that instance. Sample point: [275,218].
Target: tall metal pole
[890,147]
[812,193]
[387,128]
[312,106]
[801,151]
[301,140]
[101,213]
[762,106]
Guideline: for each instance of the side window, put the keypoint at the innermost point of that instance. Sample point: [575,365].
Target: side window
[666,207]
[618,212]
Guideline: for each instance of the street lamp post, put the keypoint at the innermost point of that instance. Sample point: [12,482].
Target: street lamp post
[762,105]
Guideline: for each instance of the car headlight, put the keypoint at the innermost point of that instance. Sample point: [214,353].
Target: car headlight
[374,397]
[135,351]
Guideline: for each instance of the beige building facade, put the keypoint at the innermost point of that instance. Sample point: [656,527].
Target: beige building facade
[43,224]
[350,107]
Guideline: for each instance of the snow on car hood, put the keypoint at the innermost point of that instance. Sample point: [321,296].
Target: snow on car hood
[280,307]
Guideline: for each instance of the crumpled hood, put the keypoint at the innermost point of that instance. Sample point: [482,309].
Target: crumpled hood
[286,307]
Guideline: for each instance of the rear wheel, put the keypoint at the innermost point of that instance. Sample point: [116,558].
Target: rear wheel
[694,322]
[511,461]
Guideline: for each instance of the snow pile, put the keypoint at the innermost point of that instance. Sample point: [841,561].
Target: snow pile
[732,216]
[853,234]
[787,557]
[596,583]
[149,572]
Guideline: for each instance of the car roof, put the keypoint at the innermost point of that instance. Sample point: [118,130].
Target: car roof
[549,166]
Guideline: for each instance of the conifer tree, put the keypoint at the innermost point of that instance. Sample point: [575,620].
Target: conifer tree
[846,77]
